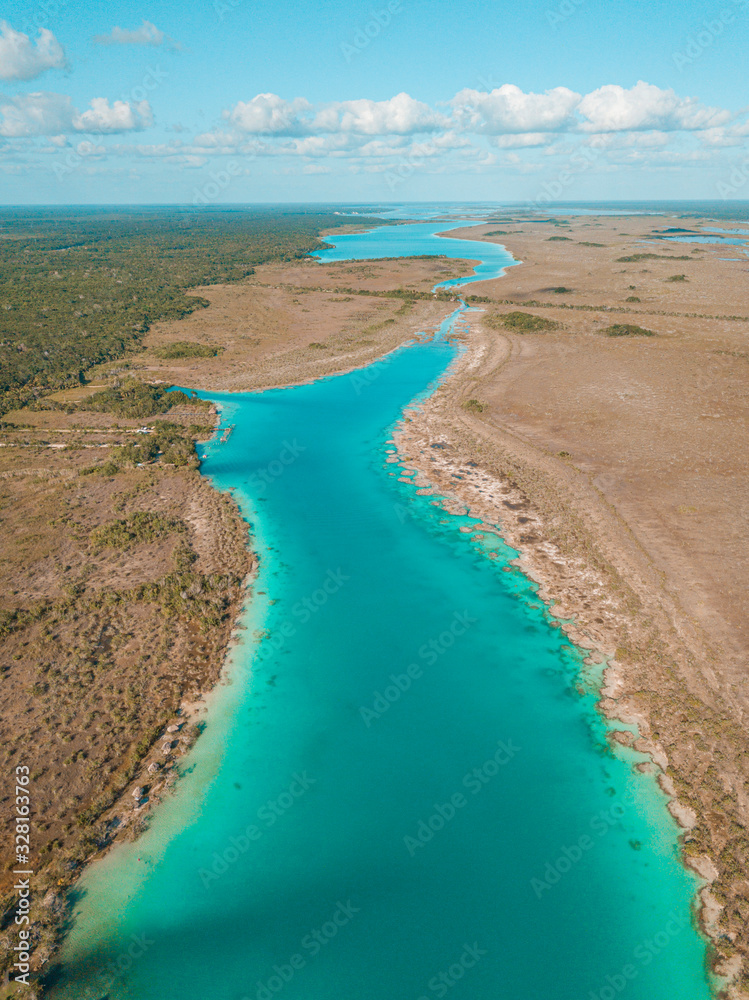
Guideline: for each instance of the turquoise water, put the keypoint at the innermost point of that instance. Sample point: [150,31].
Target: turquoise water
[417,239]
[721,240]
[405,791]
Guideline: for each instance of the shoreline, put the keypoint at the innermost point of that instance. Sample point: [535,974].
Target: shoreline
[127,818]
[423,443]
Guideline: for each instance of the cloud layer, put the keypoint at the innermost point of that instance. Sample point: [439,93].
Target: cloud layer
[22,59]
[269,114]
[521,119]
[504,130]
[146,34]
[27,115]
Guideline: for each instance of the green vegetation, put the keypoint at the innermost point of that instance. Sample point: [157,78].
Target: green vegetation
[187,349]
[633,298]
[627,330]
[561,290]
[80,286]
[132,398]
[586,243]
[170,443]
[635,258]
[521,322]
[559,239]
[474,406]
[142,526]
[677,277]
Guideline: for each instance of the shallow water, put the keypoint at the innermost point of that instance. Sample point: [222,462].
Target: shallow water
[718,240]
[405,792]
[417,239]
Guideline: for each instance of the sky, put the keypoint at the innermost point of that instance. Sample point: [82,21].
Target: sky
[229,101]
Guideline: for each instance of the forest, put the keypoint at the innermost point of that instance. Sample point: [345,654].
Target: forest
[81,286]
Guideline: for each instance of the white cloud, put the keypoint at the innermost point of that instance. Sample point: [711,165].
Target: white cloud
[21,59]
[268,113]
[271,114]
[146,34]
[512,118]
[644,106]
[122,116]
[525,140]
[508,109]
[628,140]
[43,113]
[400,115]
[88,148]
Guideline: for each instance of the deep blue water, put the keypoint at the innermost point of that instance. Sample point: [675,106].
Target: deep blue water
[405,791]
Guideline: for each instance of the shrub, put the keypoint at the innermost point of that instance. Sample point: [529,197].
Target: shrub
[636,257]
[627,330]
[522,322]
[187,349]
[142,526]
[132,398]
[474,406]
[633,298]
[109,468]
[677,277]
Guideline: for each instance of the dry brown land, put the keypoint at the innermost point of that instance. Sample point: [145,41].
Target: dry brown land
[278,328]
[618,467]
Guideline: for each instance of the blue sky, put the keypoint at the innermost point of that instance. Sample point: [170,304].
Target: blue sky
[391,100]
